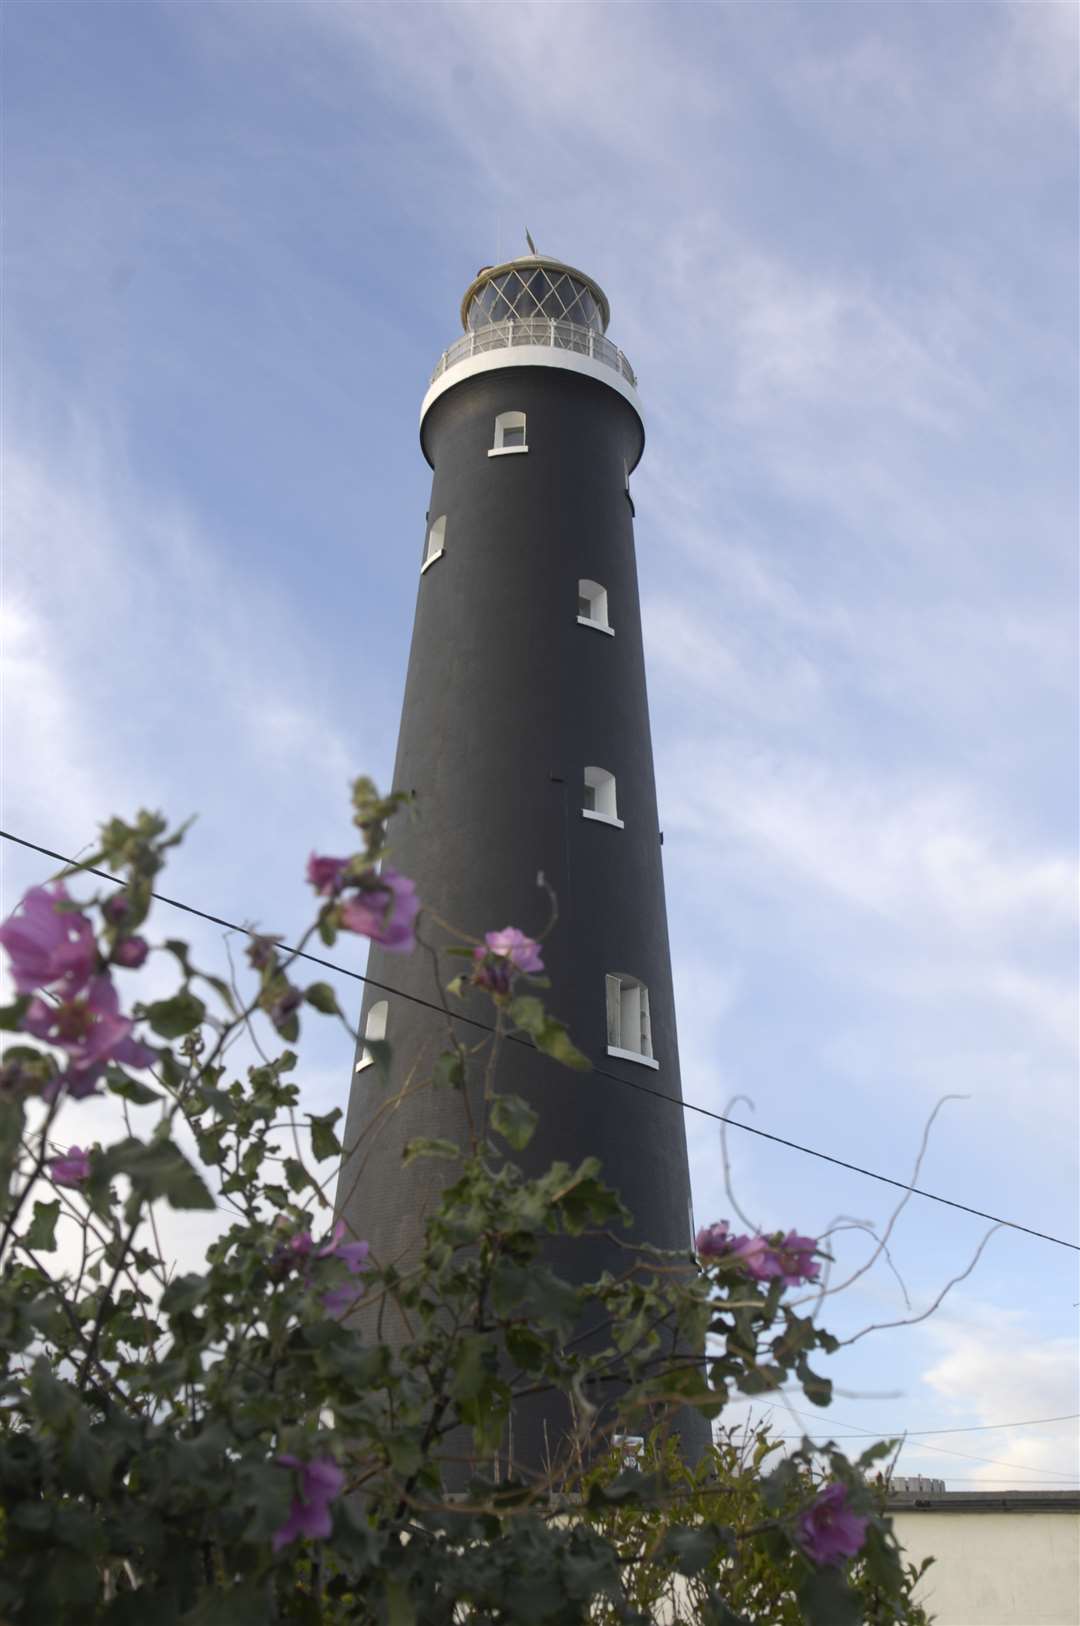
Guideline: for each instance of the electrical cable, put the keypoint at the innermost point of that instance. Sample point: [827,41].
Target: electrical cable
[917,1433]
[942,1450]
[600,1072]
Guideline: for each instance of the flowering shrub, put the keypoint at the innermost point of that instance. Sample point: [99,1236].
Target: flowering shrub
[231,1445]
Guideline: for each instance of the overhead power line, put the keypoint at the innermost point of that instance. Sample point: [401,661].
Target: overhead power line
[599,1072]
[918,1433]
[942,1450]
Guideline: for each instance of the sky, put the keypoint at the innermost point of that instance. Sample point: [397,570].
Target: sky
[840,245]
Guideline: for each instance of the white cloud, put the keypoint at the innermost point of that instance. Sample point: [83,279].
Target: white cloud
[991,1368]
[145,670]
[910,853]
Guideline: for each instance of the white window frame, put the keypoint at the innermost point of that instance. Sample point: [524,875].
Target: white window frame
[628,1018]
[374,1028]
[503,422]
[598,605]
[436,543]
[605,810]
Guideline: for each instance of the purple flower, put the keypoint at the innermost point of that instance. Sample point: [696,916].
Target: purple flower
[131,952]
[116,909]
[320,1481]
[285,1007]
[792,1259]
[325,874]
[262,952]
[788,1258]
[46,945]
[384,909]
[299,1246]
[828,1531]
[714,1240]
[522,952]
[92,1031]
[354,1256]
[71,1168]
[501,955]
[301,1250]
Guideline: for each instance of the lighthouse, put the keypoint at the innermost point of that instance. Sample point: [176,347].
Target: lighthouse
[525,736]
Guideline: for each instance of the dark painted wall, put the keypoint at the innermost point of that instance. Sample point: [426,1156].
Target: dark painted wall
[508,698]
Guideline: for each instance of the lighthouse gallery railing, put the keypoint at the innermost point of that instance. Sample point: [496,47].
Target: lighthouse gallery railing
[536,330]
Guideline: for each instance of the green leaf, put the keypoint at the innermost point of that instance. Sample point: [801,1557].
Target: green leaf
[130,1089]
[296,1174]
[41,1232]
[12,1122]
[528,1013]
[174,1017]
[322,997]
[158,1170]
[243,1605]
[555,1041]
[425,1147]
[324,1142]
[399,1606]
[692,1548]
[11,1015]
[183,1293]
[54,1402]
[716,1612]
[818,1390]
[449,1069]
[514,1120]
[547,1034]
[826,1599]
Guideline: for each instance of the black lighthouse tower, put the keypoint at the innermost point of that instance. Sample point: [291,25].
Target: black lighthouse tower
[525,734]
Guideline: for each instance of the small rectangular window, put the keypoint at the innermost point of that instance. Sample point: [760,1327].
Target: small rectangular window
[509,434]
[598,800]
[592,603]
[374,1029]
[628,1024]
[436,539]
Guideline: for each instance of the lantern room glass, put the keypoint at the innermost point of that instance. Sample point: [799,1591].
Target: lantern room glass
[534,291]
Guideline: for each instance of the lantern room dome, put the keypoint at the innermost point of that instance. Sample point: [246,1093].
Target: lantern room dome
[534,286]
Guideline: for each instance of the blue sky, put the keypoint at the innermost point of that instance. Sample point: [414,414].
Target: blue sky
[840,244]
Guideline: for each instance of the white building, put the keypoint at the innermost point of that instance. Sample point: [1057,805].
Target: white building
[1001,1559]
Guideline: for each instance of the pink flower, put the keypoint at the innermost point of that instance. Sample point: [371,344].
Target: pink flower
[791,1258]
[385,909]
[324,874]
[787,1258]
[131,952]
[71,1168]
[501,955]
[714,1240]
[320,1481]
[299,1246]
[354,1256]
[522,952]
[828,1531]
[301,1250]
[92,1031]
[48,946]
